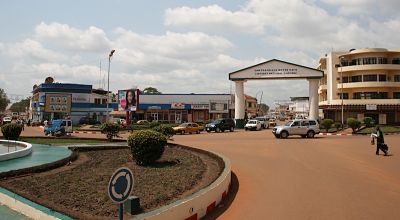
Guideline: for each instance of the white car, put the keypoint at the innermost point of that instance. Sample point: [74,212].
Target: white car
[253,125]
[7,120]
[263,121]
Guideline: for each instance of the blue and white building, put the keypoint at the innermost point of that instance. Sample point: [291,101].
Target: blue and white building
[66,100]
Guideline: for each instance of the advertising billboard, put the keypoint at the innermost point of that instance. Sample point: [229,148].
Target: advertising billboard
[58,103]
[221,106]
[127,100]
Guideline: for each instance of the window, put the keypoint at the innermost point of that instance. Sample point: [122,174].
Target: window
[396,60]
[305,123]
[397,78]
[97,101]
[345,95]
[396,95]
[295,123]
[382,78]
[382,60]
[312,122]
[370,78]
[104,101]
[370,95]
[356,78]
[345,79]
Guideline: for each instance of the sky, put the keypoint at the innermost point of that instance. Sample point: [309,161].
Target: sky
[182,46]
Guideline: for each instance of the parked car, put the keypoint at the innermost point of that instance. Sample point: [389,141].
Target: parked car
[88,121]
[142,122]
[302,127]
[221,125]
[253,125]
[58,126]
[186,128]
[263,121]
[7,120]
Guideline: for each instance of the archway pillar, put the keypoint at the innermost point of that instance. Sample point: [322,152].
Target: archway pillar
[239,104]
[313,94]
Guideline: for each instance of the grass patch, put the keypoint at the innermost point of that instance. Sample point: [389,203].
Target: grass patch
[60,141]
[384,129]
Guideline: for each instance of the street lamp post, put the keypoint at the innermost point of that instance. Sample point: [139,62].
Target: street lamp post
[341,89]
[108,83]
[258,105]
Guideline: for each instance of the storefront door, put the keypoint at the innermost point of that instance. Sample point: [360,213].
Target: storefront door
[154,116]
[178,117]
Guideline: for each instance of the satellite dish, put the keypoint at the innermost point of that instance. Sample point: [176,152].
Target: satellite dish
[49,80]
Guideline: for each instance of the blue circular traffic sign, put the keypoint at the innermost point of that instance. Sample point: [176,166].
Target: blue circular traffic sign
[120,185]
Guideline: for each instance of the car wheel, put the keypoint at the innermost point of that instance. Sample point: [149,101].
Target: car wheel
[222,130]
[182,132]
[284,134]
[277,136]
[197,132]
[245,129]
[310,134]
[208,131]
[217,130]
[303,136]
[232,129]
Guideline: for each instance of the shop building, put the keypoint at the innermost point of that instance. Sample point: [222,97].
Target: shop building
[66,100]
[362,82]
[179,108]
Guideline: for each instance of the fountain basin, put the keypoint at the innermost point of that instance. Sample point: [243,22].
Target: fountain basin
[14,149]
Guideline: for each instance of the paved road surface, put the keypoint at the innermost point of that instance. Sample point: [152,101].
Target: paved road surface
[321,178]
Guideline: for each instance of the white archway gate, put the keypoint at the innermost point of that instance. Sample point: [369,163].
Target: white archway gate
[270,70]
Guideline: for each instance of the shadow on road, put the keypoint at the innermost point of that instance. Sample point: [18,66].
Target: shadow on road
[226,203]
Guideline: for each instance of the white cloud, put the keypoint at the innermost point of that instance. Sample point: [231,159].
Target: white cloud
[365,7]
[213,17]
[30,49]
[92,39]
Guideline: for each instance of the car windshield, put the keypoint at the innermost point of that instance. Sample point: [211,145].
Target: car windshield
[184,125]
[261,119]
[216,121]
[288,123]
[252,122]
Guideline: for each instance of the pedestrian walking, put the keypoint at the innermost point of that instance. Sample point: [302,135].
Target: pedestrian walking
[380,141]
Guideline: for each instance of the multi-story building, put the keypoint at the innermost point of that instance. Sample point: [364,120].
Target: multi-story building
[364,82]
[251,107]
[66,100]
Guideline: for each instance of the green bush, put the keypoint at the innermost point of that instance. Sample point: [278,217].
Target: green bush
[338,126]
[11,131]
[327,124]
[368,121]
[354,124]
[147,146]
[154,124]
[166,130]
[110,129]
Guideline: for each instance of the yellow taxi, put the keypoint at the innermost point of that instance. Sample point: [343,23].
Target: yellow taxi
[187,128]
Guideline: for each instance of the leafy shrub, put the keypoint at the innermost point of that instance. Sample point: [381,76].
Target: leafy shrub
[110,129]
[154,124]
[166,130]
[11,131]
[338,125]
[147,146]
[353,123]
[368,121]
[327,124]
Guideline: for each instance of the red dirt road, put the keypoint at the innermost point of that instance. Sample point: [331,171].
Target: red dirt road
[322,178]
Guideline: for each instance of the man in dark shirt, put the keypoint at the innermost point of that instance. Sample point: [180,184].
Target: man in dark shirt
[380,141]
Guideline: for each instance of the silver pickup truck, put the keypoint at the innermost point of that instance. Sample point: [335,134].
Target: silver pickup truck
[303,127]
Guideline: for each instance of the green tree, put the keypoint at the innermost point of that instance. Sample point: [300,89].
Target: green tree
[150,91]
[327,124]
[263,108]
[4,101]
[20,106]
[354,124]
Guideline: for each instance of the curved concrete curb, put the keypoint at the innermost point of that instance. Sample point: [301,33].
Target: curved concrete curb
[16,154]
[333,134]
[197,205]
[28,208]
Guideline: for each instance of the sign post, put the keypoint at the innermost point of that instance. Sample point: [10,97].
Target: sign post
[120,187]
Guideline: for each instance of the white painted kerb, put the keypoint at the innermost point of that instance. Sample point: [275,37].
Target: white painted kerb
[16,154]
